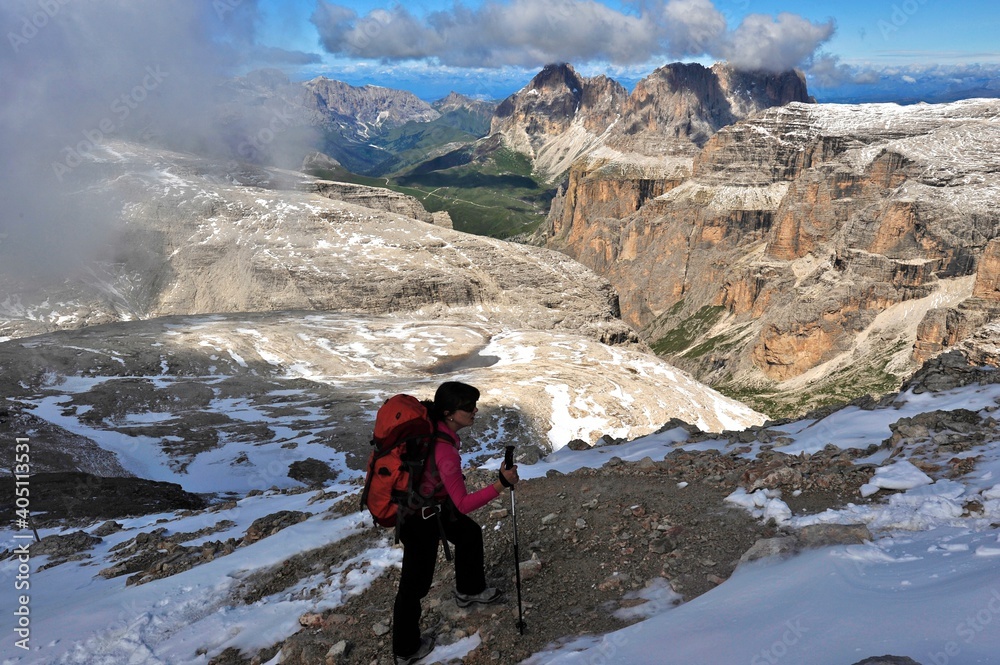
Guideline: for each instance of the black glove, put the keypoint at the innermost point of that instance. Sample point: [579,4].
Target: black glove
[503,481]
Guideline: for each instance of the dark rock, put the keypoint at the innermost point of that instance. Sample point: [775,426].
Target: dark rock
[887,660]
[272,524]
[764,548]
[107,528]
[948,370]
[311,471]
[82,495]
[60,546]
[529,455]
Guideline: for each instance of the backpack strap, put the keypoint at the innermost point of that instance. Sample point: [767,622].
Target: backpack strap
[444,538]
[429,507]
[429,502]
[368,477]
[432,467]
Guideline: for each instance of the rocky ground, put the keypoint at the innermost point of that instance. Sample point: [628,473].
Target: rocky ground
[599,548]
[589,541]
[301,385]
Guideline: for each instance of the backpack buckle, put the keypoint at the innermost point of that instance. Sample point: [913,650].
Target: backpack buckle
[428,512]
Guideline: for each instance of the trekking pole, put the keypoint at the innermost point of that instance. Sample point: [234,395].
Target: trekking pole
[508,463]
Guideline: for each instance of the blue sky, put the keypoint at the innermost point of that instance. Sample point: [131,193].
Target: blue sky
[892,49]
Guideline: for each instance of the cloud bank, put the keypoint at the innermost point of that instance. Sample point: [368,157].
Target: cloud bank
[834,81]
[525,33]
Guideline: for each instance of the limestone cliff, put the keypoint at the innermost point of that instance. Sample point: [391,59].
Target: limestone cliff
[652,147]
[803,243]
[680,106]
[376,198]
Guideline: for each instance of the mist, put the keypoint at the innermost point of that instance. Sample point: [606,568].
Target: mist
[78,76]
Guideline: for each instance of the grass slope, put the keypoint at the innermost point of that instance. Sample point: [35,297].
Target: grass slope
[490,193]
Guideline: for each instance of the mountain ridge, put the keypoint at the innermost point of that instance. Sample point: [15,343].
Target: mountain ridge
[560,116]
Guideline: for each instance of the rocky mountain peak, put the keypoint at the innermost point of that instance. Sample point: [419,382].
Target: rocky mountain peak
[547,104]
[556,117]
[560,116]
[454,100]
[369,105]
[682,105]
[458,102]
[759,90]
[557,78]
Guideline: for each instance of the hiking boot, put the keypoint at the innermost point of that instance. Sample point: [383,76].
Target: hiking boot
[426,646]
[486,596]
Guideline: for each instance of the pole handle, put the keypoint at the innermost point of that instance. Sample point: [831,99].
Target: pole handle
[508,457]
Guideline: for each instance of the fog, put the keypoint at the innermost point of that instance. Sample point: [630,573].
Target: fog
[77,75]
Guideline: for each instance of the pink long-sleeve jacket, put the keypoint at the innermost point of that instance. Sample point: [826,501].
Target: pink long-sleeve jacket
[448,481]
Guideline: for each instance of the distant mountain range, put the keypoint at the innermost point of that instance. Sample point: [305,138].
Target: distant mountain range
[370,130]
[792,254]
[556,117]
[560,116]
[493,166]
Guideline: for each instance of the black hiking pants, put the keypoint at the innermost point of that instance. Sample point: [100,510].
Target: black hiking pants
[420,538]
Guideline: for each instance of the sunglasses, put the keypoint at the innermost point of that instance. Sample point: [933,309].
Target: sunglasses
[470,407]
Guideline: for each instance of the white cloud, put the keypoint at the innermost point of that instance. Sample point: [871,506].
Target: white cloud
[527,33]
[693,27]
[762,42]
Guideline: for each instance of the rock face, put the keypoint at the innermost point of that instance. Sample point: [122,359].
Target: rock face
[804,240]
[82,495]
[560,116]
[683,104]
[456,102]
[375,198]
[988,276]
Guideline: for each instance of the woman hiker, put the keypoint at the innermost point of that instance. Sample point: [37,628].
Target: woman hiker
[453,409]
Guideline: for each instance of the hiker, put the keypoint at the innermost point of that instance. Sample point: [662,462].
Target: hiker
[453,409]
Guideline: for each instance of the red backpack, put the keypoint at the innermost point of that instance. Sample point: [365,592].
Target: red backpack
[404,439]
